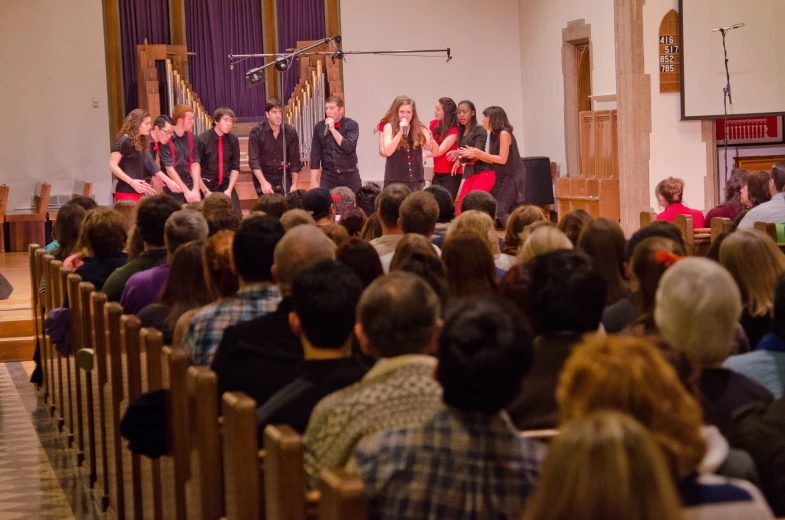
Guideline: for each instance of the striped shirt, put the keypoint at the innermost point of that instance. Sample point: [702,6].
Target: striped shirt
[208,324]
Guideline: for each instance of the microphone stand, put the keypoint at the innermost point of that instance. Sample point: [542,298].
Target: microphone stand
[726,97]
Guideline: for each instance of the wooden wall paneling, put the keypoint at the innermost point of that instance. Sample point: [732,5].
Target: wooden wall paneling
[609,199]
[177,33]
[270,34]
[114,66]
[587,136]
[606,149]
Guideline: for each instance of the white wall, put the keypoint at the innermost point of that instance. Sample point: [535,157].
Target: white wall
[676,146]
[53,66]
[541,24]
[484,41]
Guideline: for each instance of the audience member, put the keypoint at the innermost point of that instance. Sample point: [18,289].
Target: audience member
[135,244]
[732,207]
[195,206]
[446,208]
[543,240]
[366,198]
[184,289]
[144,287]
[252,254]
[223,220]
[262,355]
[127,211]
[151,216]
[417,215]
[480,223]
[766,364]
[566,296]
[774,209]
[469,264]
[86,203]
[481,201]
[219,274]
[215,202]
[669,193]
[319,204]
[337,234]
[756,191]
[398,321]
[65,231]
[296,217]
[635,485]
[372,229]
[629,375]
[756,263]
[519,219]
[294,199]
[360,257]
[272,204]
[353,219]
[468,460]
[618,316]
[390,201]
[101,242]
[697,312]
[603,240]
[430,268]
[409,245]
[343,198]
[573,223]
[514,286]
[323,299]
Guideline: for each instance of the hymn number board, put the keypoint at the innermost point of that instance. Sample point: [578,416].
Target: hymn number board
[670,53]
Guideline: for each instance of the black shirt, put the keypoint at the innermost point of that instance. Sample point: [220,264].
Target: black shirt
[476,138]
[207,151]
[97,270]
[183,146]
[405,164]
[265,152]
[325,152]
[135,164]
[259,356]
[293,403]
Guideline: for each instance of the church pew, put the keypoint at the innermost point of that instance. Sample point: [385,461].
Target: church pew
[342,496]
[114,387]
[98,329]
[129,344]
[85,363]
[151,342]
[36,274]
[647,217]
[719,226]
[74,374]
[241,470]
[697,240]
[51,282]
[34,316]
[55,375]
[176,465]
[769,228]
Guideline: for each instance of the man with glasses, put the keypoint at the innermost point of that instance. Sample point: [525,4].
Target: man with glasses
[163,127]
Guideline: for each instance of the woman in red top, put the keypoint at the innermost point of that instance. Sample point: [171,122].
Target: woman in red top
[445,139]
[669,194]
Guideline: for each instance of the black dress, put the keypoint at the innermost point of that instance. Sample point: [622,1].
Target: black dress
[405,166]
[510,179]
[476,138]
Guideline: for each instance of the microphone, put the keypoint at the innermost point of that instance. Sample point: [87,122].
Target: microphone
[725,29]
[405,128]
[326,129]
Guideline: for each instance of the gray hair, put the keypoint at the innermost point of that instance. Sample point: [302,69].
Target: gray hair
[184,226]
[347,199]
[300,248]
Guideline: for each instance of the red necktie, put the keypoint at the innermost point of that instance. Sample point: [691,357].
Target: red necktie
[220,160]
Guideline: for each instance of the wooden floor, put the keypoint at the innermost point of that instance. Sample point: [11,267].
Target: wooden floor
[16,326]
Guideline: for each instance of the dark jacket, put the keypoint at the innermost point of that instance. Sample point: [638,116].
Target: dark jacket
[96,271]
[758,430]
[535,408]
[724,392]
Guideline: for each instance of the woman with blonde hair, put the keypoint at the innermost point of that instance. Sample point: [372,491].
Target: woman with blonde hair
[469,262]
[410,244]
[482,224]
[756,263]
[402,141]
[520,218]
[635,483]
[629,375]
[543,240]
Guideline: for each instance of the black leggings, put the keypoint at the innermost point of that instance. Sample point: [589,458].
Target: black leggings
[451,182]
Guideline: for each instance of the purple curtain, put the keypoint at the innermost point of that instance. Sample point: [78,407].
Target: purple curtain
[140,19]
[298,20]
[214,29]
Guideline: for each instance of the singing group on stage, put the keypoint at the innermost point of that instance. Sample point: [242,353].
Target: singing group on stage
[483,155]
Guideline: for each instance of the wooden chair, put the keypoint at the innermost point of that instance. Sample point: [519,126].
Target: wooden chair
[697,240]
[647,217]
[719,226]
[98,301]
[4,191]
[83,188]
[342,496]
[29,227]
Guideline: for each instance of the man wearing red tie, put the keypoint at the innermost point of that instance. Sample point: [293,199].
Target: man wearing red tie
[218,153]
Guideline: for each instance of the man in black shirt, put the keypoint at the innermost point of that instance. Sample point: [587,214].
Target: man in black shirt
[324,299]
[334,149]
[265,152]
[218,151]
[180,159]
[163,127]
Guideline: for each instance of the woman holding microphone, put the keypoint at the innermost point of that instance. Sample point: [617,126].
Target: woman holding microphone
[403,138]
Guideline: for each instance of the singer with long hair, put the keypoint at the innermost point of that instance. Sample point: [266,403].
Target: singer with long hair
[403,139]
[506,159]
[444,129]
[477,175]
[130,160]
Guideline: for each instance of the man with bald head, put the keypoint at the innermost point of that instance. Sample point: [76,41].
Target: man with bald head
[261,356]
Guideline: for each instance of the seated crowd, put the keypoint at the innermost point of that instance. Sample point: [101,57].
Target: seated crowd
[419,350]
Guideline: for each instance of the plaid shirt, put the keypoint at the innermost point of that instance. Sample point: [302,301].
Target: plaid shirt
[208,324]
[458,465]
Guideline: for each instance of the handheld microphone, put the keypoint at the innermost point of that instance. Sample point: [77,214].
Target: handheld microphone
[405,128]
[724,29]
[326,129]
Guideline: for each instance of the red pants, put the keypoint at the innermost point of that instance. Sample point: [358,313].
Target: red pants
[483,181]
[134,197]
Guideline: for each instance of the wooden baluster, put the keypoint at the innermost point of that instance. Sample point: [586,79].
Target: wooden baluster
[129,343]
[240,446]
[97,302]
[112,315]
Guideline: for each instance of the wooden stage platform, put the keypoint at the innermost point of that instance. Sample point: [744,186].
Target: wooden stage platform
[16,325]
